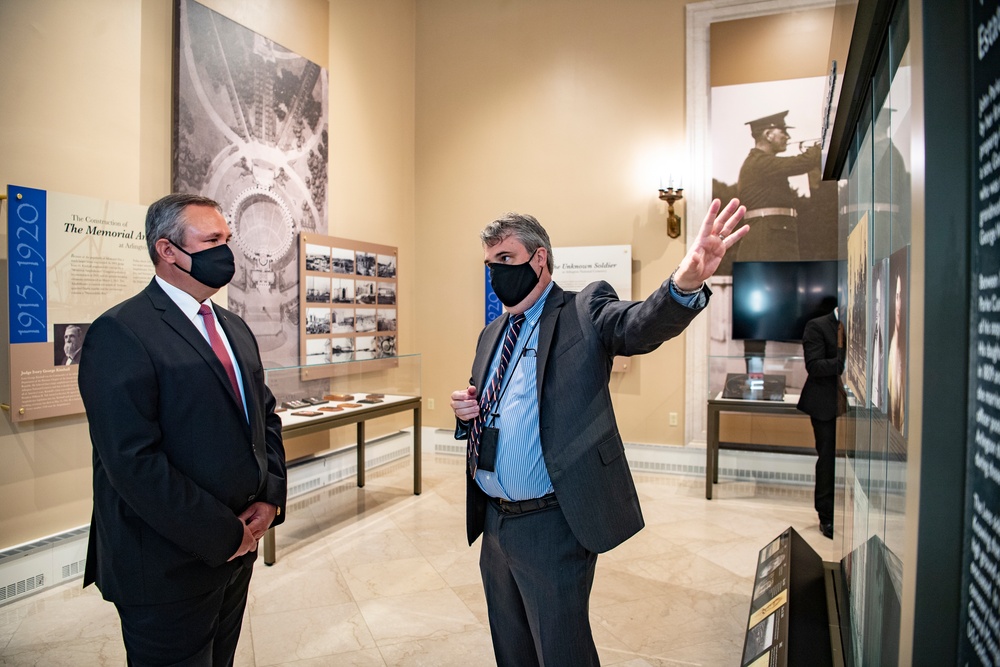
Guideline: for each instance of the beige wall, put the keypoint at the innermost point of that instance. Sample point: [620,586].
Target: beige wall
[759,49]
[559,109]
[85,110]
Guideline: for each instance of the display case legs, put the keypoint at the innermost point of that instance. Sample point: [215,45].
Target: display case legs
[267,545]
[361,454]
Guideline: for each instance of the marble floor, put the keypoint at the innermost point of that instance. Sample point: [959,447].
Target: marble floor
[378,576]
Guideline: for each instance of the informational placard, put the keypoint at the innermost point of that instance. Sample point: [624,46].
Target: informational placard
[70,258]
[980,623]
[767,627]
[348,302]
[578,266]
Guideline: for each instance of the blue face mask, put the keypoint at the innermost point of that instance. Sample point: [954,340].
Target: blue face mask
[512,283]
[213,267]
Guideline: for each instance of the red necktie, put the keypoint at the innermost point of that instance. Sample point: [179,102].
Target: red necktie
[220,348]
[489,396]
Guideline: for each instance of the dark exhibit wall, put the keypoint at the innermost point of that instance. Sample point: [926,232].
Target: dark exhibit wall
[980,627]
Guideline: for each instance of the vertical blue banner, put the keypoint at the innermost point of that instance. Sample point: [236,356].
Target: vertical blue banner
[26,262]
[494,308]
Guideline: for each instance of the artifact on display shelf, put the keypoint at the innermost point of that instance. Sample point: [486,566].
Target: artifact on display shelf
[314,407]
[754,387]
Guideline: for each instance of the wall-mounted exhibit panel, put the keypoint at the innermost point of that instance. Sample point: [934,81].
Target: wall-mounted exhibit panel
[348,301]
[981,539]
[70,258]
[251,132]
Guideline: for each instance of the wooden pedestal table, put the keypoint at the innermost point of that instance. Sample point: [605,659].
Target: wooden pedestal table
[717,406]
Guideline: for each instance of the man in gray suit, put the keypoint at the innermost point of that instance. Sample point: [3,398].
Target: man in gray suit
[548,485]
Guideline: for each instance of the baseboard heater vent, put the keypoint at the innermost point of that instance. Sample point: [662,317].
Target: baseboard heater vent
[33,566]
[21,587]
[73,569]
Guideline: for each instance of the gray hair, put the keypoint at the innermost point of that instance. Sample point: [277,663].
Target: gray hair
[165,219]
[525,228]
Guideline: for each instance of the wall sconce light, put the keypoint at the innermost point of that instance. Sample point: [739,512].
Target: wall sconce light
[670,195]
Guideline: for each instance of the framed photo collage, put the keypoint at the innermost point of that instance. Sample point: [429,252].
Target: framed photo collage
[347,296]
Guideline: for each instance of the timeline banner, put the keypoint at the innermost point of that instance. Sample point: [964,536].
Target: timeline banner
[26,252]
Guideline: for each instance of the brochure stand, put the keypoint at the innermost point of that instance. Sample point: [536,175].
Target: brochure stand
[789,622]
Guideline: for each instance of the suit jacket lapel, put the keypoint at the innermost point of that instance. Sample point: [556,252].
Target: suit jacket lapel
[831,327]
[240,351]
[245,352]
[487,347]
[546,331]
[495,329]
[176,320]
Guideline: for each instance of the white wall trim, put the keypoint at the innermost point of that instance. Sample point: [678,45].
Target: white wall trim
[700,17]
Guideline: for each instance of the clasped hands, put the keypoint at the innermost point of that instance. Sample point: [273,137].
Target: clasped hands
[256,519]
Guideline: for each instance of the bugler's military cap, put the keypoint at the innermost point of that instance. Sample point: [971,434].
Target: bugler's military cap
[767,122]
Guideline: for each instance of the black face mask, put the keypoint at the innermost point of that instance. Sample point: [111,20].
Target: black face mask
[512,283]
[212,267]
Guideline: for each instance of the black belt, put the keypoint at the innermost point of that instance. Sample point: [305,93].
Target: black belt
[524,506]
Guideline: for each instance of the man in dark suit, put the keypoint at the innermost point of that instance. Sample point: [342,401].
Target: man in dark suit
[823,399]
[548,485]
[189,466]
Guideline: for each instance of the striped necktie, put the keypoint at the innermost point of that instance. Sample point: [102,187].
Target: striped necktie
[489,397]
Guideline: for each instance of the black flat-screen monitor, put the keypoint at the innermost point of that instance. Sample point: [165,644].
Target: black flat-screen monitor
[774,300]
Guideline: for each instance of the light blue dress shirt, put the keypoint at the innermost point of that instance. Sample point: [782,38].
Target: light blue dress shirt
[520,472]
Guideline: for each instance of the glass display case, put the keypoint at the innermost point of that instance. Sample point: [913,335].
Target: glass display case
[751,377]
[313,401]
[750,400]
[307,387]
[354,392]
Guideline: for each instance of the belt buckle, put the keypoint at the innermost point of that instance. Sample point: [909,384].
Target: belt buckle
[509,506]
[522,506]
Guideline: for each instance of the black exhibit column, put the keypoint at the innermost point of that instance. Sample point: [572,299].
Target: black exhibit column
[979,631]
